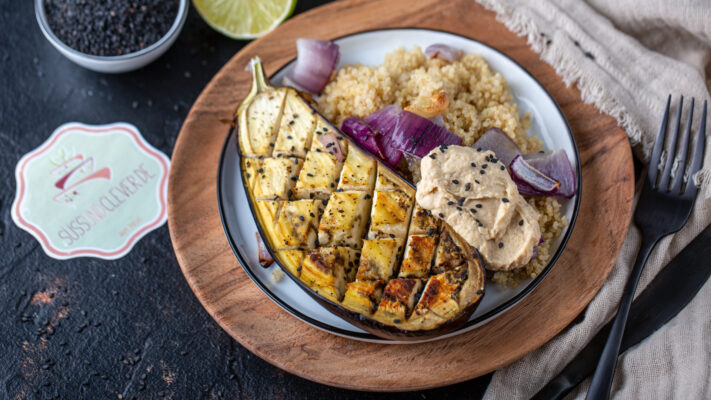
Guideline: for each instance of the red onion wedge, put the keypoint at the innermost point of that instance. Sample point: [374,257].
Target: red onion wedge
[557,167]
[362,134]
[439,50]
[531,181]
[315,62]
[391,131]
[384,122]
[500,143]
[265,259]
[332,145]
[418,135]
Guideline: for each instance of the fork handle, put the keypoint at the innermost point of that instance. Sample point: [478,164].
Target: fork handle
[605,371]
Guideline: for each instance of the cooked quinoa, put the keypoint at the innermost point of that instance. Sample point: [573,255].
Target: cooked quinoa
[479,98]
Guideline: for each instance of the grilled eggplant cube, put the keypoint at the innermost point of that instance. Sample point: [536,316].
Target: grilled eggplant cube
[296,128]
[418,256]
[318,177]
[275,177]
[390,215]
[378,259]
[321,140]
[311,190]
[358,171]
[295,225]
[440,295]
[398,300]
[449,255]
[259,123]
[422,222]
[363,296]
[344,219]
[388,180]
[327,269]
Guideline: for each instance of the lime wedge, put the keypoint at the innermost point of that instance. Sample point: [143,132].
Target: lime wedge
[244,19]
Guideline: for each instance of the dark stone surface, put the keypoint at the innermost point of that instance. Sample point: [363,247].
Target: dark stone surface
[92,329]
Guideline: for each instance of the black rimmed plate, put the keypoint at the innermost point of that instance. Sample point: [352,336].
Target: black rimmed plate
[369,48]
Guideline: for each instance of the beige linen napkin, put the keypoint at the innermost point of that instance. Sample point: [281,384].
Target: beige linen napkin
[626,56]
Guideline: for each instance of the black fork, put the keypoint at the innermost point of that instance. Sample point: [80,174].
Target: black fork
[663,208]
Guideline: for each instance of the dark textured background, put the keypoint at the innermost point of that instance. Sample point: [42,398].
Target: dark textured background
[92,329]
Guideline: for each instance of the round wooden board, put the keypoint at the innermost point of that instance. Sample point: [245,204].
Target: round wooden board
[255,321]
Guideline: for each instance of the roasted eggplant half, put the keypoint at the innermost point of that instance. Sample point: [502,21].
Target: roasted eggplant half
[345,227]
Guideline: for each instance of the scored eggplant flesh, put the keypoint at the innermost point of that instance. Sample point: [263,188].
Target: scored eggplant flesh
[346,227]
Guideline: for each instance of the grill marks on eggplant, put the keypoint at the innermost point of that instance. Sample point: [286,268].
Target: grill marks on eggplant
[349,228]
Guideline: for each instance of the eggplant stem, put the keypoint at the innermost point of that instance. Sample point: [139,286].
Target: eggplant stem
[260,83]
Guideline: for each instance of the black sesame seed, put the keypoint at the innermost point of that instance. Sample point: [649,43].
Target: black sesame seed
[301,218]
[478,206]
[291,122]
[505,200]
[432,156]
[482,172]
[454,181]
[312,215]
[260,170]
[468,186]
[485,165]
[441,215]
[476,181]
[473,165]
[478,149]
[472,210]
[460,202]
[503,168]
[520,223]
[479,291]
[501,244]
[430,231]
[449,203]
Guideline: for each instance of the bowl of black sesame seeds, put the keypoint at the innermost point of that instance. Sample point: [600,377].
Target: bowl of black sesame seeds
[111,36]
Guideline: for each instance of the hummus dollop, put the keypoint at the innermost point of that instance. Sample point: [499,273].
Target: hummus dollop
[473,192]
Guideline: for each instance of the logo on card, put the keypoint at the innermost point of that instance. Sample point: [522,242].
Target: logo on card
[91,191]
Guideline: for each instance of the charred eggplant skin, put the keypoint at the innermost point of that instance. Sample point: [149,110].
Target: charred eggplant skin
[261,83]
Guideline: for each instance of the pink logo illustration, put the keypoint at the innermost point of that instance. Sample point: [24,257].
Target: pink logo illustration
[73,173]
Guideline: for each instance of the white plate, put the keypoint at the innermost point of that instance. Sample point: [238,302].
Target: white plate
[369,48]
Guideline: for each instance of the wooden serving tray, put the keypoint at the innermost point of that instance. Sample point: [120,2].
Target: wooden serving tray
[255,321]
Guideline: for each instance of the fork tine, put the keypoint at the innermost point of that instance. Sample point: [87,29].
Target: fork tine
[658,146]
[697,160]
[671,152]
[681,168]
